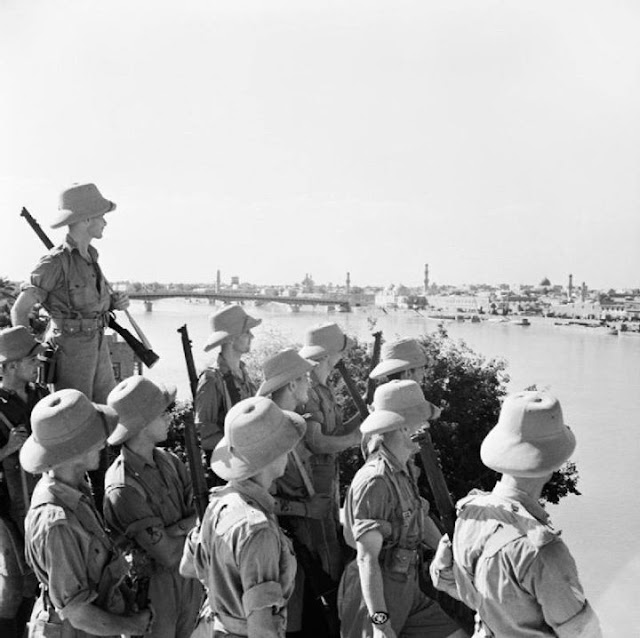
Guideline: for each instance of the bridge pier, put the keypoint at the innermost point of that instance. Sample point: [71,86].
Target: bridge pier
[344,307]
[330,308]
[148,305]
[294,308]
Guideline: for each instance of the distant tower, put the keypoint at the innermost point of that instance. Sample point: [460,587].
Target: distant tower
[570,292]
[348,283]
[218,280]
[583,292]
[426,278]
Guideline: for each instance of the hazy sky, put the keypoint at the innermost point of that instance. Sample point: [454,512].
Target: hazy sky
[498,141]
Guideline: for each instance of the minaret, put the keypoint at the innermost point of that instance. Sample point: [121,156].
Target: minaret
[218,280]
[583,292]
[348,283]
[426,278]
[570,292]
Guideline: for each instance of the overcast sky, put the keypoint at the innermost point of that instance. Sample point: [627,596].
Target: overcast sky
[497,141]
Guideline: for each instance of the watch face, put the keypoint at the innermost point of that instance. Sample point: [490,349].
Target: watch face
[379,617]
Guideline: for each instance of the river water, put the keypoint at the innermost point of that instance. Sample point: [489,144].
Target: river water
[595,375]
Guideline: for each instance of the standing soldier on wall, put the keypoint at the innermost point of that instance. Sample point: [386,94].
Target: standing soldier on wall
[326,437]
[69,284]
[508,563]
[18,395]
[79,569]
[226,382]
[240,553]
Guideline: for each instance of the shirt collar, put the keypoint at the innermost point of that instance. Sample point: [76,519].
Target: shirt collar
[134,461]
[223,366]
[69,496]
[531,505]
[390,458]
[256,492]
[70,244]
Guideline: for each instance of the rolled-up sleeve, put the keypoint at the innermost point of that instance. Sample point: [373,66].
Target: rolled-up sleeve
[372,508]
[260,571]
[553,580]
[126,511]
[45,277]
[68,582]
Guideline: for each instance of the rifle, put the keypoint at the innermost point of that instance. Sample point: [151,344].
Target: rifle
[194,454]
[142,349]
[441,495]
[375,359]
[351,386]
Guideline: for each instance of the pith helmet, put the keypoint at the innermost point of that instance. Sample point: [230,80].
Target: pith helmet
[282,368]
[17,343]
[81,201]
[137,401]
[530,438]
[65,425]
[398,356]
[398,404]
[323,340]
[256,433]
[228,323]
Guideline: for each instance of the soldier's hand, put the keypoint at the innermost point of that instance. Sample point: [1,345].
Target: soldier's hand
[141,622]
[119,301]
[383,631]
[318,506]
[17,437]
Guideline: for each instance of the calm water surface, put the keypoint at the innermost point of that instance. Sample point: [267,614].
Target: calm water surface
[596,376]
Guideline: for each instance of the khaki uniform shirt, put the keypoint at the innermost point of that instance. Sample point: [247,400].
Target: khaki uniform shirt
[67,547]
[515,570]
[384,497]
[139,495]
[68,285]
[242,556]
[213,400]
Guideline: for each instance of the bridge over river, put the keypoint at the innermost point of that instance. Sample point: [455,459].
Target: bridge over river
[338,302]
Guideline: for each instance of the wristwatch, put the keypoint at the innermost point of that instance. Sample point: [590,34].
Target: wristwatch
[379,617]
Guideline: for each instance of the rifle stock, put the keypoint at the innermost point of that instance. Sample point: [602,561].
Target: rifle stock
[141,350]
[353,390]
[194,454]
[441,494]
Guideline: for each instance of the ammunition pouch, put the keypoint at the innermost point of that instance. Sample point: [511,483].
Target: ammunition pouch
[397,560]
[80,326]
[114,595]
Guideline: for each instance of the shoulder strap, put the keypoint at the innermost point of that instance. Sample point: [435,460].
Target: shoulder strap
[232,389]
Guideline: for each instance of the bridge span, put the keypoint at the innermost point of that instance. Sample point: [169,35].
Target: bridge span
[341,303]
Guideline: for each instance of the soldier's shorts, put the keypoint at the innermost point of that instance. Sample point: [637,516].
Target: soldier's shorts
[411,613]
[83,363]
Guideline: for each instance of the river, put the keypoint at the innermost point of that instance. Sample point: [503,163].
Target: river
[595,375]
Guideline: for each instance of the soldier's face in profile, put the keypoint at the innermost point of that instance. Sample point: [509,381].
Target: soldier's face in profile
[96,226]
[416,374]
[242,343]
[27,368]
[301,390]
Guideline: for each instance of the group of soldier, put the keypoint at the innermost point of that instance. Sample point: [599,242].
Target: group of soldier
[99,534]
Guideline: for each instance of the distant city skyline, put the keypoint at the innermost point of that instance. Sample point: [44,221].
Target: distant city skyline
[498,142]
